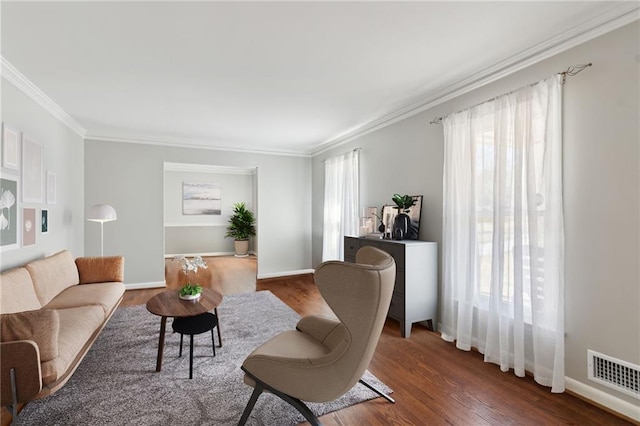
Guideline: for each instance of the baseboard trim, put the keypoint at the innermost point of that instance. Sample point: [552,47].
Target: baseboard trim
[286,273]
[603,399]
[214,253]
[138,286]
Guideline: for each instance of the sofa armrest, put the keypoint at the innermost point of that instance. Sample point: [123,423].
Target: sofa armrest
[318,327]
[100,269]
[23,357]
[41,327]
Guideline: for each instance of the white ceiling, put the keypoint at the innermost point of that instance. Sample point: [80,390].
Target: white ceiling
[286,77]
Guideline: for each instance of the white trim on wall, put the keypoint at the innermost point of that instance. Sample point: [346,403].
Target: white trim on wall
[25,85]
[182,225]
[139,286]
[208,168]
[217,253]
[604,399]
[191,143]
[612,20]
[286,273]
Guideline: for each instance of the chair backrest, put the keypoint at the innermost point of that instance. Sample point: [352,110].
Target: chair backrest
[359,294]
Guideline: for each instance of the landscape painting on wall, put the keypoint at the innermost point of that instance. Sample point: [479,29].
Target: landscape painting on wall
[201,198]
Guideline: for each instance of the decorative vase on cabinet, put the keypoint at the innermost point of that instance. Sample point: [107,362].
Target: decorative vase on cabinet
[415,294]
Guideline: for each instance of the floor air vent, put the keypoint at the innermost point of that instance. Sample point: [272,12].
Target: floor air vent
[614,373]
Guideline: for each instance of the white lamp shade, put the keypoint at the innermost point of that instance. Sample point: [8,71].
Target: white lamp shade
[101,213]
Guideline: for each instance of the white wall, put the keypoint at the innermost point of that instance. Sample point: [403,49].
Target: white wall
[63,155]
[130,177]
[601,191]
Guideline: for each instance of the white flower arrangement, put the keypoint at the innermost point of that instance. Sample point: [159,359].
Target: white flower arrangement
[188,266]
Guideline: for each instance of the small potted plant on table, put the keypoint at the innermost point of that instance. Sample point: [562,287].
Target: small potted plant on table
[190,291]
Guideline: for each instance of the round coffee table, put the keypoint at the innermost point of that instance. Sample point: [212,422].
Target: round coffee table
[168,304]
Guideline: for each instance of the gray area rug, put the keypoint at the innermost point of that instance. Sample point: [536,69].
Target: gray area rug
[116,383]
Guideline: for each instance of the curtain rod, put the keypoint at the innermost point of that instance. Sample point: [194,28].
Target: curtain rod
[571,71]
[344,153]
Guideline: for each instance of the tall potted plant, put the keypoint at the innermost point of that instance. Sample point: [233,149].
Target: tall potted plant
[241,227]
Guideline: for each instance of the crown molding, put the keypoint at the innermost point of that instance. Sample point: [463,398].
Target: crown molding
[195,144]
[600,25]
[22,83]
[205,168]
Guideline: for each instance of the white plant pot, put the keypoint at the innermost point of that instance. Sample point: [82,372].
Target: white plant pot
[241,248]
[190,296]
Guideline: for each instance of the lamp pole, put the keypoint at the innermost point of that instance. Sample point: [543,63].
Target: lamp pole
[101,213]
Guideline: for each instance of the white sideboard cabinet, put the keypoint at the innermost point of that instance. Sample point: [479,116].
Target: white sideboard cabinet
[415,294]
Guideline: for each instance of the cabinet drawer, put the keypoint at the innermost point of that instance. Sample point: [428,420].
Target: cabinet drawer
[351,246]
[396,308]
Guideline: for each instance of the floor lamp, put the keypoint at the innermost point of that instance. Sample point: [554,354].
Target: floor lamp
[101,213]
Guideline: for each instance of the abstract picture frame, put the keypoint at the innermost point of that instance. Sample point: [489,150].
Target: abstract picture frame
[201,198]
[44,221]
[28,227]
[9,213]
[32,171]
[10,148]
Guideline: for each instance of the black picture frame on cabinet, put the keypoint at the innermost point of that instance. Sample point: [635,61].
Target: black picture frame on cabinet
[390,211]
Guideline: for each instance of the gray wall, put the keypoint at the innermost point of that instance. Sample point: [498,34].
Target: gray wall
[601,189]
[63,155]
[182,236]
[130,177]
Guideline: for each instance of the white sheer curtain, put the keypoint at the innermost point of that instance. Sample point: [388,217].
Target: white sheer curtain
[341,198]
[503,238]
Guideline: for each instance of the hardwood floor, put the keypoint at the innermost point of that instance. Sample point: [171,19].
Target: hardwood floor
[434,383]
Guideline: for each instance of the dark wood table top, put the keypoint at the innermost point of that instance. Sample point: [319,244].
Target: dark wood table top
[169,304]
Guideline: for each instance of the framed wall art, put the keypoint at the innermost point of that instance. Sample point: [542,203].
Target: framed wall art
[44,221]
[201,198]
[389,213]
[32,172]
[28,227]
[10,148]
[9,234]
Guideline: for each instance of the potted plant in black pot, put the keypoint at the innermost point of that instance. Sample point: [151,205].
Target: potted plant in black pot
[402,222]
[241,227]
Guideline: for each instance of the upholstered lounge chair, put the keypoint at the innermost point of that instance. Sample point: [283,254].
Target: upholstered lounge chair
[324,358]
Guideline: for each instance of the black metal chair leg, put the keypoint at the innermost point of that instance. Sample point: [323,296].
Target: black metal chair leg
[252,401]
[387,397]
[191,357]
[181,337]
[294,402]
[213,343]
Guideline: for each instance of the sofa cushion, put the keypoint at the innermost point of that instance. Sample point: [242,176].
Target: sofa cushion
[53,274]
[41,326]
[100,269]
[77,326]
[105,295]
[16,292]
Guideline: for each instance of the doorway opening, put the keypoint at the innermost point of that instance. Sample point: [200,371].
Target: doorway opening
[198,201]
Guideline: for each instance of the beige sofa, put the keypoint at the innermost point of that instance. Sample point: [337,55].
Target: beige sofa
[51,312]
